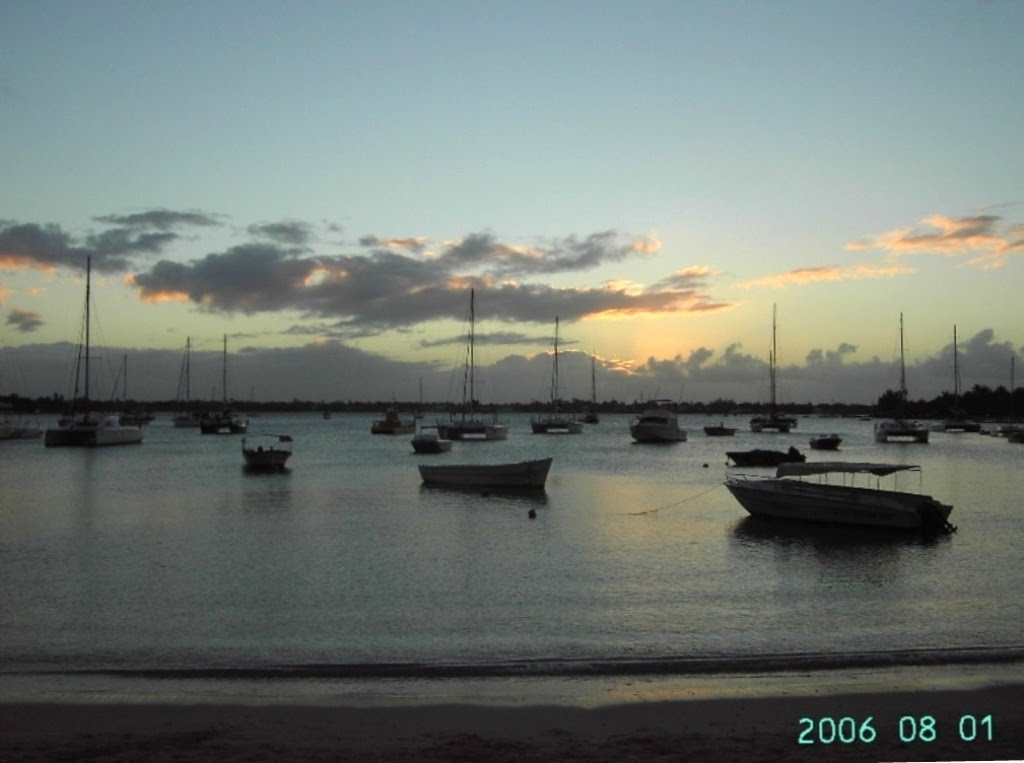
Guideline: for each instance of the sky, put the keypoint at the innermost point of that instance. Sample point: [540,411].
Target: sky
[325,182]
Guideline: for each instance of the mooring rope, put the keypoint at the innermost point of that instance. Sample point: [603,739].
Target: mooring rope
[674,504]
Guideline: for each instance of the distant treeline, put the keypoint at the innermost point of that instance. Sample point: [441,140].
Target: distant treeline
[979,402]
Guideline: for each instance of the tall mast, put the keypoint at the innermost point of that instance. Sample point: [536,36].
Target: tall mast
[1012,358]
[224,373]
[903,371]
[771,364]
[472,339]
[554,377]
[593,380]
[88,286]
[188,368]
[956,372]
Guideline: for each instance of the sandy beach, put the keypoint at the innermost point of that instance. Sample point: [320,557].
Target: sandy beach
[759,728]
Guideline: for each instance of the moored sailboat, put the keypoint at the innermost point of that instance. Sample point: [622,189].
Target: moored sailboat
[774,421]
[555,421]
[957,421]
[225,421]
[900,429]
[187,418]
[465,424]
[85,427]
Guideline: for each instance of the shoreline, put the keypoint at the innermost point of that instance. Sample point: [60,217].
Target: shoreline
[600,719]
[700,728]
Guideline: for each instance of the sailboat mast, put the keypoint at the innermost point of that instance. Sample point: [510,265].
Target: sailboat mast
[188,368]
[903,371]
[956,372]
[224,373]
[88,285]
[771,363]
[472,340]
[593,380]
[1012,359]
[554,376]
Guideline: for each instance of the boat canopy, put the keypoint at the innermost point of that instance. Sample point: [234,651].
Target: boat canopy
[848,467]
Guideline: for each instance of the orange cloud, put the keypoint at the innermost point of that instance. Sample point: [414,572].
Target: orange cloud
[952,236]
[20,262]
[804,276]
[155,297]
[649,245]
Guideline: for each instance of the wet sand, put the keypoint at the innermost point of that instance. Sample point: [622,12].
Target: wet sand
[749,728]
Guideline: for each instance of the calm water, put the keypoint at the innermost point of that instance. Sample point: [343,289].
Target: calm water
[168,555]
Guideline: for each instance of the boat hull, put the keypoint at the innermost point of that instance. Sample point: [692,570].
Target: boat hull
[265,459]
[556,425]
[780,424]
[833,504]
[92,434]
[719,431]
[900,431]
[656,425]
[380,427]
[826,442]
[524,474]
[642,433]
[430,443]
[760,457]
[472,430]
[223,423]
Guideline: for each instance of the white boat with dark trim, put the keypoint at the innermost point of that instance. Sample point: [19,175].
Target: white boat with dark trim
[656,425]
[430,442]
[524,474]
[87,428]
[845,503]
[266,451]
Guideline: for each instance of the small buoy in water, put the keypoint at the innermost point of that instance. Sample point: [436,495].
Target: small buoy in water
[705,466]
[532,513]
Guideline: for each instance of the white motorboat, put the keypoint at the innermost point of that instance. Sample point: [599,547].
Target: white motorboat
[656,425]
[555,421]
[466,424]
[900,429]
[87,428]
[266,451]
[524,474]
[430,442]
[845,503]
